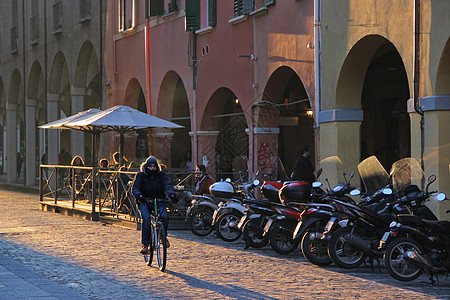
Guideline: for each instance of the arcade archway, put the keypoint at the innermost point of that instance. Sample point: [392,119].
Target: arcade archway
[373,78]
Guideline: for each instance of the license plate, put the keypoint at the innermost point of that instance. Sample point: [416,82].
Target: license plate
[242,221]
[385,236]
[330,224]
[268,224]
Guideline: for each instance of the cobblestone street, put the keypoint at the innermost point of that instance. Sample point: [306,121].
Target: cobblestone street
[102,262]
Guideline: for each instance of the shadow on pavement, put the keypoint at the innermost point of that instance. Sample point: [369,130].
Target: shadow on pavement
[226,291]
[84,281]
[377,273]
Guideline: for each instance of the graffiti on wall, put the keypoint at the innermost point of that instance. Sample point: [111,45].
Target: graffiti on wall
[264,157]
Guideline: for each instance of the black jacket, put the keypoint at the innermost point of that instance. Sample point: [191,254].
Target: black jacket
[304,170]
[151,186]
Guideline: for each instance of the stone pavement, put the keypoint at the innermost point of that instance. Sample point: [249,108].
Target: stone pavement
[101,261]
[20,282]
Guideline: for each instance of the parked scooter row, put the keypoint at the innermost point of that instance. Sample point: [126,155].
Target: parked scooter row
[391,219]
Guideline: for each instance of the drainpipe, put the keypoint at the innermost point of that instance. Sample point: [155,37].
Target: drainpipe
[317,77]
[417,106]
[194,96]
[24,97]
[147,68]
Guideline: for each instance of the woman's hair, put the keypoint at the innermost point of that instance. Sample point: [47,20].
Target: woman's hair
[74,159]
[104,163]
[202,168]
[116,158]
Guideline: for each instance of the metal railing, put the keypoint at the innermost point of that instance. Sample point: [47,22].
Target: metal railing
[107,192]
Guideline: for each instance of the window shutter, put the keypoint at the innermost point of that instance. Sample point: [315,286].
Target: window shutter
[156,7]
[247,7]
[238,5]
[212,13]
[192,15]
[269,2]
[173,6]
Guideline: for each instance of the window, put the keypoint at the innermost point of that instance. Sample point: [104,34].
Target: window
[57,16]
[155,7]
[34,22]
[269,2]
[127,12]
[173,6]
[192,15]
[243,7]
[212,13]
[85,10]
[14,25]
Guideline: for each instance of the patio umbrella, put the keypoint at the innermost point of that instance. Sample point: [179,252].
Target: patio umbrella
[60,124]
[63,124]
[121,119]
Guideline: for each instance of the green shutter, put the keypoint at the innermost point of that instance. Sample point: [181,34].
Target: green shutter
[238,5]
[247,7]
[269,2]
[156,7]
[212,13]
[192,15]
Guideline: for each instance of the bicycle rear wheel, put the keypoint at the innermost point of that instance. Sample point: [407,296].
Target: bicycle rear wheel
[161,246]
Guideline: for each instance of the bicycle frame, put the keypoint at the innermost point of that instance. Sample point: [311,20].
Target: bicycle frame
[158,239]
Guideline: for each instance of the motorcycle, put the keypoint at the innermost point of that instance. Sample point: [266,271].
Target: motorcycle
[313,220]
[228,214]
[349,246]
[280,227]
[200,214]
[415,245]
[256,214]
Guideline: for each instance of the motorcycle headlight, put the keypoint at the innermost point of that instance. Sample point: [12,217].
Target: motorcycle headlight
[393,224]
[193,201]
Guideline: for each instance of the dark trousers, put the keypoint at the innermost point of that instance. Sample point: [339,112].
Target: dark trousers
[145,210]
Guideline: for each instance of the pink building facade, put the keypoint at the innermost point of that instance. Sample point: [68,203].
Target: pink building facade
[238,75]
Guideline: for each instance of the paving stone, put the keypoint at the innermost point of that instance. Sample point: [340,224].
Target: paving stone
[102,262]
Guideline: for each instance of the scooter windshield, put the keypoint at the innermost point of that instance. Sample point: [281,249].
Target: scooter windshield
[405,172]
[373,175]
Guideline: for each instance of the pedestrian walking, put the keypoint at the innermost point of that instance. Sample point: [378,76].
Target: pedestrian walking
[303,170]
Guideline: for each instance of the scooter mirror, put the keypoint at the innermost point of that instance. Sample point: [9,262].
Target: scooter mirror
[355,192]
[431,179]
[387,191]
[316,184]
[440,197]
[256,182]
[319,172]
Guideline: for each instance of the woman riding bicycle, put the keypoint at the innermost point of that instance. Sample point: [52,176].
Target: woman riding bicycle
[151,183]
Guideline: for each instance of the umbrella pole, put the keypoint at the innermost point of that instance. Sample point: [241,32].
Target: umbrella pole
[93,150]
[122,134]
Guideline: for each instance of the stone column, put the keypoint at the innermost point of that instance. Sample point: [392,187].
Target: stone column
[30,142]
[340,138]
[265,145]
[52,134]
[207,150]
[162,144]
[437,145]
[11,153]
[77,137]
[5,145]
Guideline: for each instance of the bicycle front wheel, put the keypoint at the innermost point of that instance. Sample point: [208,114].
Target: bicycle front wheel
[161,246]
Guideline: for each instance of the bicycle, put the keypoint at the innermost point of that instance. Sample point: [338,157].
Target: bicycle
[158,240]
